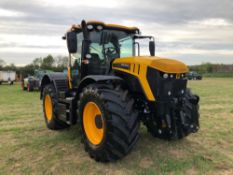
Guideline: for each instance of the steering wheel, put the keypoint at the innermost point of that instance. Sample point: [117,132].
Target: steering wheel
[109,51]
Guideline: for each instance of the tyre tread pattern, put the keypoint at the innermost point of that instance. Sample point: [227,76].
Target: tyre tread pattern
[121,120]
[55,123]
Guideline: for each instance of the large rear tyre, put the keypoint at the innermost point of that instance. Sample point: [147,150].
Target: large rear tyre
[109,122]
[50,104]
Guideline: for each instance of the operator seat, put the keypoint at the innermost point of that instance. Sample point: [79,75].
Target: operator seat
[94,66]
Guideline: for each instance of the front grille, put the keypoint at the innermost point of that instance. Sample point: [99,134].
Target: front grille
[165,88]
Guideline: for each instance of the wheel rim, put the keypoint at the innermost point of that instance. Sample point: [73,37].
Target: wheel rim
[48,107]
[93,123]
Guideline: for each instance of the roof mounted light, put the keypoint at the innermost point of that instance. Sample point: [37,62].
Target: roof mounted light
[99,27]
[89,27]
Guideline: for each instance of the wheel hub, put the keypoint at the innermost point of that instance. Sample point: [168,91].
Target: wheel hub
[98,121]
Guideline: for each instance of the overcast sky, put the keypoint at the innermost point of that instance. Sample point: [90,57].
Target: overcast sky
[193,31]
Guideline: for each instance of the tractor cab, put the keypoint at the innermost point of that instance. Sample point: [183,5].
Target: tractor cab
[93,46]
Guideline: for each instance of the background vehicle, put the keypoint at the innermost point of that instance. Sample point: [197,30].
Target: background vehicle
[31,83]
[194,76]
[110,88]
[7,76]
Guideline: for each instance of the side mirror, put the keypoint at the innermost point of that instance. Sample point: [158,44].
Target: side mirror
[71,39]
[152,48]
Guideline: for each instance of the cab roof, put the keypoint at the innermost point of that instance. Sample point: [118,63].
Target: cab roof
[106,26]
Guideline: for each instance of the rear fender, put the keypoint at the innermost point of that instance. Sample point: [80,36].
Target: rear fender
[59,80]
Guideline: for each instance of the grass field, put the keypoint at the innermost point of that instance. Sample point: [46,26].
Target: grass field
[27,147]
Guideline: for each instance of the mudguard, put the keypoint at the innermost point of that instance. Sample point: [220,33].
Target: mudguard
[96,78]
[59,80]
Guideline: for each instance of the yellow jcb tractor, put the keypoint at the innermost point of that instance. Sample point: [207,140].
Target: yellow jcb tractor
[109,89]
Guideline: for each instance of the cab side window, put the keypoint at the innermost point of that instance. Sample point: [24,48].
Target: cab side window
[76,61]
[76,58]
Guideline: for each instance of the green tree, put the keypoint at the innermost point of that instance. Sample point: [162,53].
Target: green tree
[48,62]
[11,67]
[61,61]
[37,62]
[27,70]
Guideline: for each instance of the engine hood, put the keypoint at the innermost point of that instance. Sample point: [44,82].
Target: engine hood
[161,64]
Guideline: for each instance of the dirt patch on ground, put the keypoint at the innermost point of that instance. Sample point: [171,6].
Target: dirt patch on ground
[191,171]
[177,153]
[146,162]
[224,172]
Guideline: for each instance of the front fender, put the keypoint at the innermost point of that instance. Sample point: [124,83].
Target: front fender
[96,78]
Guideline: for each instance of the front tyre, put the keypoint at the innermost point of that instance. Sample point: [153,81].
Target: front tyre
[50,104]
[108,121]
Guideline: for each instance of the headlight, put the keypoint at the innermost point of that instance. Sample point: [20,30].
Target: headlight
[165,76]
[88,56]
[169,93]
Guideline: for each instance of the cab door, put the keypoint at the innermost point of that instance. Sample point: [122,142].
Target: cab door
[75,63]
